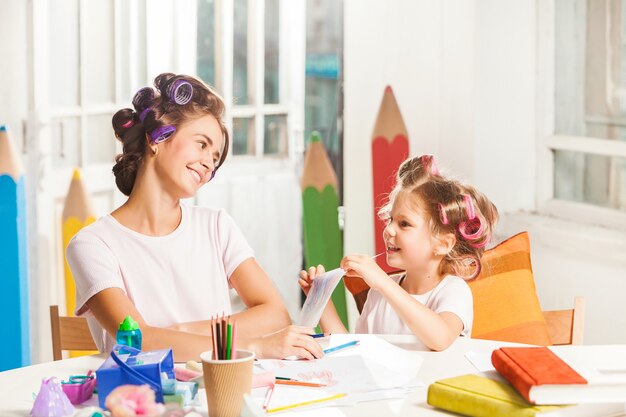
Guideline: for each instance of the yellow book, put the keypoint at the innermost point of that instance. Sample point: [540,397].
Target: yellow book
[478,396]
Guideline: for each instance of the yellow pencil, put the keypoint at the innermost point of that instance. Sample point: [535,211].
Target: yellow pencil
[77,213]
[302,404]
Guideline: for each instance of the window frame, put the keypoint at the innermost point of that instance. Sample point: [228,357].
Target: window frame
[548,141]
[291,76]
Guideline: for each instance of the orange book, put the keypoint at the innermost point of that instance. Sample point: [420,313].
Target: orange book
[543,377]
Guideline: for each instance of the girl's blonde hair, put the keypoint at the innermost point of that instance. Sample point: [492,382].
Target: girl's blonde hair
[450,207]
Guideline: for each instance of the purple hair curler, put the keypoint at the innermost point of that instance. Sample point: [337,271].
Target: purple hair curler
[144,113]
[162,133]
[143,94]
[180,92]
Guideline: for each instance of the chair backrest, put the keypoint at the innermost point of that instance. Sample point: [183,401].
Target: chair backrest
[566,327]
[69,333]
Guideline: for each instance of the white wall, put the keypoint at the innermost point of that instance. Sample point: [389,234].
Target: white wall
[464,75]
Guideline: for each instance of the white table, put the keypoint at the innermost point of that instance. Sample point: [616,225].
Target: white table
[18,386]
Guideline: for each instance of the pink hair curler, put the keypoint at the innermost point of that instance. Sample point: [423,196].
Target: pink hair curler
[429,161]
[477,270]
[128,124]
[472,228]
[442,214]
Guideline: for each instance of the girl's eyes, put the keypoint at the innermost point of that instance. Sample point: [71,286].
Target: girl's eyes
[404,223]
[203,144]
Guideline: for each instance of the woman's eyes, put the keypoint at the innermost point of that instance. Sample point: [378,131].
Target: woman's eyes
[203,144]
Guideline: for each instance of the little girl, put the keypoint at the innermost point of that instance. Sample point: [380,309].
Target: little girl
[437,229]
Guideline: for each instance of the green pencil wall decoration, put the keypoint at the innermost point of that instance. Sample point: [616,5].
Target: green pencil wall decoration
[323,243]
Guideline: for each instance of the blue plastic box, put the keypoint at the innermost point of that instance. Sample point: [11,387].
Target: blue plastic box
[136,368]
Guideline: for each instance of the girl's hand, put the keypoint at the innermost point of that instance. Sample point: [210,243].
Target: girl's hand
[306,279]
[365,267]
[290,341]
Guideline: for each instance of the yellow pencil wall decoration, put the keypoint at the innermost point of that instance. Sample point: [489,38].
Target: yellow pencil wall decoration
[77,213]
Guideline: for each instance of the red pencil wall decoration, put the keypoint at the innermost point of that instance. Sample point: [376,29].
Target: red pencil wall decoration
[390,146]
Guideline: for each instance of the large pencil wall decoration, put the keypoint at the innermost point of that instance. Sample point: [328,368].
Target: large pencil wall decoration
[15,347]
[77,213]
[390,146]
[320,201]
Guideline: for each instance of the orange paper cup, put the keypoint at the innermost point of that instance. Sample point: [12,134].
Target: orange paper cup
[226,381]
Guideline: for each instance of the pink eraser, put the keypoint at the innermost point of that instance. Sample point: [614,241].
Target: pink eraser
[185,375]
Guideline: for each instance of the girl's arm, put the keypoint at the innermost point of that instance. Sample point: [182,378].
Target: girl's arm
[330,321]
[435,330]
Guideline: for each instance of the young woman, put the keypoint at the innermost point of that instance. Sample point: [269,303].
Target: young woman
[167,264]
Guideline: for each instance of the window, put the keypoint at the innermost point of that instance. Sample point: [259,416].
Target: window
[240,51]
[586,138]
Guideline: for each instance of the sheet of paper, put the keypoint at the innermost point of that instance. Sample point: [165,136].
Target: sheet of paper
[378,365]
[481,361]
[319,294]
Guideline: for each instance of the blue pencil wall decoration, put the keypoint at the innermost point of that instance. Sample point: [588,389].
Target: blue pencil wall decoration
[15,346]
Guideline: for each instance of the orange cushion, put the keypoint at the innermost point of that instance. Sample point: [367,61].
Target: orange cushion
[506,306]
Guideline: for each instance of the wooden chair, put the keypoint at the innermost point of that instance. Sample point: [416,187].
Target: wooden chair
[69,333]
[566,327]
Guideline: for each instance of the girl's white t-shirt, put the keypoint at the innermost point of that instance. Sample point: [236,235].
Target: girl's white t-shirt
[452,294]
[177,278]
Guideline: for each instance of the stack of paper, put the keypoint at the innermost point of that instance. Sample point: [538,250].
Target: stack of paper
[372,370]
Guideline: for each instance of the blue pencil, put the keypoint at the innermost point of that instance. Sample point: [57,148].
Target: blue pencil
[336,348]
[318,335]
[13,258]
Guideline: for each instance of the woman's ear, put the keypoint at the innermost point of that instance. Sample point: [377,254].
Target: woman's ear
[152,146]
[444,244]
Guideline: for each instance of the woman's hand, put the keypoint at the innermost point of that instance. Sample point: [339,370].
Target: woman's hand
[365,267]
[290,341]
[306,278]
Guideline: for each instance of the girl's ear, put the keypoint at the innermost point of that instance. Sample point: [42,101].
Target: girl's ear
[444,243]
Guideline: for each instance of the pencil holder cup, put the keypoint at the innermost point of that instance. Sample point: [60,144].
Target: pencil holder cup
[226,381]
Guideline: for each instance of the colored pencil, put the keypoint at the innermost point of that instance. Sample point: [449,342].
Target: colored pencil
[14,306]
[320,201]
[340,347]
[224,337]
[299,383]
[304,403]
[78,212]
[268,396]
[234,347]
[218,326]
[229,339]
[318,335]
[282,378]
[390,146]
[215,337]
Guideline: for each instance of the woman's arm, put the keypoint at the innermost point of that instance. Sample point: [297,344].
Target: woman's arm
[111,305]
[258,293]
